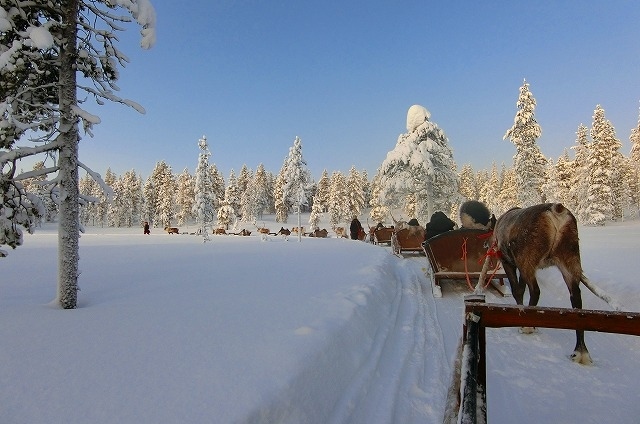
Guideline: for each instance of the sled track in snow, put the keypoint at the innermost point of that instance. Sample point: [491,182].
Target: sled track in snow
[406,376]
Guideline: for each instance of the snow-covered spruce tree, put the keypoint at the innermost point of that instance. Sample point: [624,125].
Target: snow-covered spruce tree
[244,178]
[131,185]
[232,194]
[296,180]
[279,199]
[528,162]
[260,186]
[164,184]
[491,190]
[43,48]
[482,179]
[558,181]
[204,202]
[217,185]
[508,197]
[634,168]
[604,148]
[355,192]
[338,207]
[248,204]
[322,192]
[185,197]
[315,215]
[379,212]
[226,213]
[467,187]
[366,187]
[579,184]
[422,164]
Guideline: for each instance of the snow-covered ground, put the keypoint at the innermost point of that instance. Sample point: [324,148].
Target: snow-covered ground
[244,330]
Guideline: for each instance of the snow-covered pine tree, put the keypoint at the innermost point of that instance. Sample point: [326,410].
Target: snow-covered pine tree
[232,194]
[355,192]
[111,179]
[150,195]
[338,207]
[322,192]
[482,179]
[296,180]
[186,197]
[280,201]
[44,47]
[204,201]
[262,195]
[244,178]
[164,184]
[579,184]
[315,215]
[491,190]
[558,181]
[422,164]
[467,187]
[508,197]
[217,185]
[379,212]
[528,162]
[226,213]
[366,187]
[604,148]
[248,204]
[634,169]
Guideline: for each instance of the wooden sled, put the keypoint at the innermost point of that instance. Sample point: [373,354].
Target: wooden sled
[460,254]
[382,235]
[406,240]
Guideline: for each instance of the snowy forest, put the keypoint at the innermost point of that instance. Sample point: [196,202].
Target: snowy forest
[53,60]
[598,182]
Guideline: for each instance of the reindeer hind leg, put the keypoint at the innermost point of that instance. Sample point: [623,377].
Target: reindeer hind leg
[580,353]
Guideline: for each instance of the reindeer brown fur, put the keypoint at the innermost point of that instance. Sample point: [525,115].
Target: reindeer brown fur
[538,237]
[171,230]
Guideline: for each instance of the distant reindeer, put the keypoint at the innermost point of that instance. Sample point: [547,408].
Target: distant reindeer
[171,230]
[538,237]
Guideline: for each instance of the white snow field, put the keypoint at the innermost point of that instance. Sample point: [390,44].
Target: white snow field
[245,330]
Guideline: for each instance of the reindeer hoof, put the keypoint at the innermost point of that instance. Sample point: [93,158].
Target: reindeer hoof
[581,357]
[528,330]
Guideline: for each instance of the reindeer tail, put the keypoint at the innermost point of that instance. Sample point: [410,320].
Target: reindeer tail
[601,293]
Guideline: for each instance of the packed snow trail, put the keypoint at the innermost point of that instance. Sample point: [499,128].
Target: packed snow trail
[403,379]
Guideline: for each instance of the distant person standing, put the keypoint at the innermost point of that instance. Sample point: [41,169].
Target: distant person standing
[146,228]
[355,228]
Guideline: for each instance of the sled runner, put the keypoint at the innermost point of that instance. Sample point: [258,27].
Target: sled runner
[459,255]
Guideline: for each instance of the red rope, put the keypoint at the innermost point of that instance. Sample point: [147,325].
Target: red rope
[494,253]
[464,259]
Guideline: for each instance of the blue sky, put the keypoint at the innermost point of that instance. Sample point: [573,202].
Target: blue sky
[341,75]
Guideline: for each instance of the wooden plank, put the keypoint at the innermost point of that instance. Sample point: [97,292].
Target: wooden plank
[497,316]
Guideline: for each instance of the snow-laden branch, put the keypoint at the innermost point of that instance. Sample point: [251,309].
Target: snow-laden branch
[108,191]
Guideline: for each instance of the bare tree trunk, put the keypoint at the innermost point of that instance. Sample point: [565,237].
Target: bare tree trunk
[69,228]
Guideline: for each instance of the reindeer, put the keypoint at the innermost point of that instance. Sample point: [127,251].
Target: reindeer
[171,230]
[538,237]
[284,232]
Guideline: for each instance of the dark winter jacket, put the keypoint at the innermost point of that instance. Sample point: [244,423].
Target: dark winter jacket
[439,224]
[354,229]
